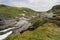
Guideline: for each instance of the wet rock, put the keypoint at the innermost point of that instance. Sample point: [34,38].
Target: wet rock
[19,26]
[22,25]
[6,23]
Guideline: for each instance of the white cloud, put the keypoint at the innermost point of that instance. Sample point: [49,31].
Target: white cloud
[38,5]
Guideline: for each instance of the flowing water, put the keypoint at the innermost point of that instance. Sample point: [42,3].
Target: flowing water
[5,35]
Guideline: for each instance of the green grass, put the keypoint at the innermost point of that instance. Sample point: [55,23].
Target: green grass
[55,9]
[48,31]
[8,11]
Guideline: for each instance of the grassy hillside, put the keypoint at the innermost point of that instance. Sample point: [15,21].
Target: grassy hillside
[47,31]
[8,11]
[55,9]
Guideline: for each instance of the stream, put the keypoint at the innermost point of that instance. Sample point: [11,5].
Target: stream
[5,35]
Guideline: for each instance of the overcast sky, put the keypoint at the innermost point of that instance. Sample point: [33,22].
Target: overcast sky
[38,5]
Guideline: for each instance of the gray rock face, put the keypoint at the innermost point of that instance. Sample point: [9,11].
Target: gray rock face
[5,23]
[19,26]
[22,26]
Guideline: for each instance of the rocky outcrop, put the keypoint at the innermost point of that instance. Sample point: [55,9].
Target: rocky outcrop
[22,25]
[6,23]
[16,26]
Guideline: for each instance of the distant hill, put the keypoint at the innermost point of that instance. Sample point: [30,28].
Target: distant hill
[9,11]
[55,9]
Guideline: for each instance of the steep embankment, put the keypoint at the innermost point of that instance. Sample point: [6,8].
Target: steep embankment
[56,10]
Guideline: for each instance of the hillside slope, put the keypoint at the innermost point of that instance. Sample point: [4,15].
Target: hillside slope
[55,9]
[8,11]
[48,31]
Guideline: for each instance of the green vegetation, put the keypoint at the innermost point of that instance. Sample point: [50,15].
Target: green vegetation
[56,10]
[45,31]
[8,11]
[48,31]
